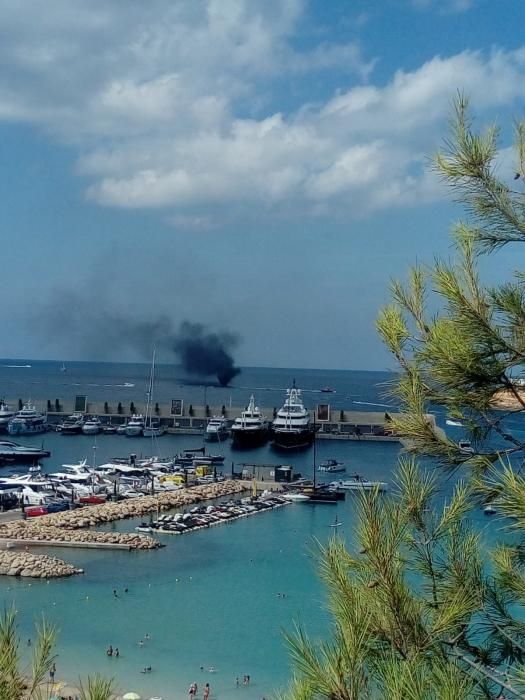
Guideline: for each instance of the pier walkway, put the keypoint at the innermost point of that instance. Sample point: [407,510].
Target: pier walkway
[342,424]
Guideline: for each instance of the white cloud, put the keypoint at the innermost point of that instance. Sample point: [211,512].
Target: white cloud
[163,101]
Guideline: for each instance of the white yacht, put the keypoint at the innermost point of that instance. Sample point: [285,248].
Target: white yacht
[217,428]
[291,427]
[73,424]
[92,426]
[28,421]
[5,416]
[135,425]
[358,483]
[251,427]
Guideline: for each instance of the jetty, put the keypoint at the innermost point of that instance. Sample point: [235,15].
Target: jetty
[188,419]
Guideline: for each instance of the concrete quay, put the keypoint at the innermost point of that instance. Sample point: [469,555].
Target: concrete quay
[342,424]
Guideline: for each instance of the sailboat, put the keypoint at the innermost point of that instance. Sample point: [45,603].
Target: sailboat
[63,368]
[336,523]
[151,429]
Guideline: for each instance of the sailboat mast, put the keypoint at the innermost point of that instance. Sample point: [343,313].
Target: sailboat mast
[150,390]
[315,455]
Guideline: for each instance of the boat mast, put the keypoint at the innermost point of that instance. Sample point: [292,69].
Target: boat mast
[149,393]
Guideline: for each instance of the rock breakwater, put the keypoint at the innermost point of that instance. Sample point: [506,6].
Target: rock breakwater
[17,563]
[71,528]
[135,507]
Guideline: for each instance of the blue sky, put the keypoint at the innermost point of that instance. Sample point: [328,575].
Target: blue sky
[259,166]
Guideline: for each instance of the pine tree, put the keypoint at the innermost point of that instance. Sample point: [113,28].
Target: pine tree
[424,608]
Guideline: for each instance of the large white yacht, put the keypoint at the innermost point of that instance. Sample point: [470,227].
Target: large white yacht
[291,427]
[217,429]
[28,421]
[251,427]
[5,416]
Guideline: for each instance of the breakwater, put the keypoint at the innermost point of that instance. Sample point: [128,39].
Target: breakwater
[70,528]
[187,419]
[26,564]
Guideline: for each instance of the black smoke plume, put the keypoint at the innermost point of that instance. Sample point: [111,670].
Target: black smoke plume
[76,322]
[203,353]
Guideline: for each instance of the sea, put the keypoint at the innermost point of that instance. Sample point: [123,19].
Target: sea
[212,606]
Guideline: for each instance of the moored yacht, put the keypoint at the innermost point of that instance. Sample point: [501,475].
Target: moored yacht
[5,416]
[291,427]
[72,425]
[28,421]
[217,429]
[135,425]
[358,483]
[92,426]
[13,452]
[251,427]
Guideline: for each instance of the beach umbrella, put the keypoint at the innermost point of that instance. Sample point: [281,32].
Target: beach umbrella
[131,696]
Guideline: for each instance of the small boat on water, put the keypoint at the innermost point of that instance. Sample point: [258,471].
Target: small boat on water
[295,496]
[331,466]
[453,422]
[336,523]
[489,509]
[357,483]
[465,447]
[327,390]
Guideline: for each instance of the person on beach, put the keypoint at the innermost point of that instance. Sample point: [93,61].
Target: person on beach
[206,693]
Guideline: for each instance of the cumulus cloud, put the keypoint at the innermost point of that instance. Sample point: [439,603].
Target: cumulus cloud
[184,106]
